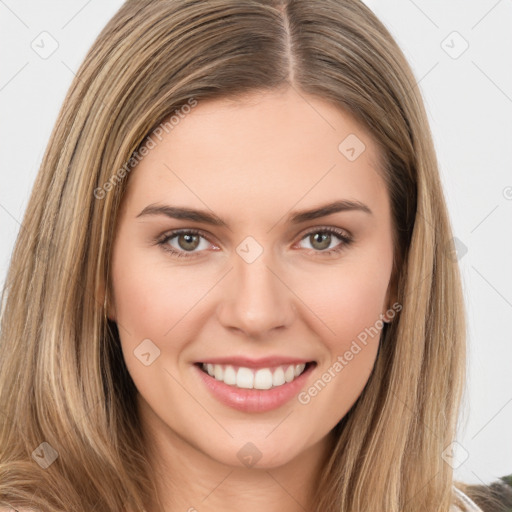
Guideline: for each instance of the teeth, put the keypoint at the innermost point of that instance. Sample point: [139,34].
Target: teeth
[218,372]
[244,378]
[247,378]
[230,376]
[278,377]
[263,379]
[299,368]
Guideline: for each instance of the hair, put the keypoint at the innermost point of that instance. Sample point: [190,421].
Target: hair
[63,380]
[495,497]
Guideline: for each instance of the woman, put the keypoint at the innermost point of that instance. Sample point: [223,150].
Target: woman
[176,335]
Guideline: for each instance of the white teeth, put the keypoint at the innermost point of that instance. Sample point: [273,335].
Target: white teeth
[245,378]
[289,374]
[230,376]
[278,377]
[248,378]
[263,379]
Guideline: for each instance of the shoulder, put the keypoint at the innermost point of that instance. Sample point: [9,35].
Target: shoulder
[463,503]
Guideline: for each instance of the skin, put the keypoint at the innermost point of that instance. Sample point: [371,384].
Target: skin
[251,162]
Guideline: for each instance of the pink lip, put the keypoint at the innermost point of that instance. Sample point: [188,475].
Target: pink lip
[264,362]
[253,400]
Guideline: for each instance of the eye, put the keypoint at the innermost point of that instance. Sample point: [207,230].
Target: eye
[190,242]
[322,240]
[183,243]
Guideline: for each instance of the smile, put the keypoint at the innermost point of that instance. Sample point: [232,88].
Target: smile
[254,386]
[252,378]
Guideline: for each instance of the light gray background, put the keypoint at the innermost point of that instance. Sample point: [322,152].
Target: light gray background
[469,102]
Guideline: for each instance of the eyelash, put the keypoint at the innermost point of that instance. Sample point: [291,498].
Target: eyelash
[342,235]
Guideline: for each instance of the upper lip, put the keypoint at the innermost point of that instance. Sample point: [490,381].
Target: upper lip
[264,362]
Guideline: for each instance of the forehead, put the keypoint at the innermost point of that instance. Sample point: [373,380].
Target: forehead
[265,151]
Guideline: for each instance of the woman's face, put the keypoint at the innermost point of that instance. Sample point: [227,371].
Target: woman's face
[259,282]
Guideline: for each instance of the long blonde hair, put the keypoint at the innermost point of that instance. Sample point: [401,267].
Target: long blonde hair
[63,380]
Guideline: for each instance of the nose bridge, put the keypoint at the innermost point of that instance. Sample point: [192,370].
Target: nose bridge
[256,301]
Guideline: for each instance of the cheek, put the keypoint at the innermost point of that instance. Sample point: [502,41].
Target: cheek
[151,298]
[348,301]
[359,306]
[351,301]
[156,303]
[352,312]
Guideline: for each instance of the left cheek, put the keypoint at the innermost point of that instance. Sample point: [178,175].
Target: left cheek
[354,304]
[354,318]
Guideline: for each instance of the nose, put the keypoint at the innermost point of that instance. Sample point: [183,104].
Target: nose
[256,300]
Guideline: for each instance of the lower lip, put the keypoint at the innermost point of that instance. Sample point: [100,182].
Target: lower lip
[254,400]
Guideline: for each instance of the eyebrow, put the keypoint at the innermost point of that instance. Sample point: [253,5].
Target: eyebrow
[297,217]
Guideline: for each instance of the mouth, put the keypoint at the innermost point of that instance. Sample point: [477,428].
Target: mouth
[262,378]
